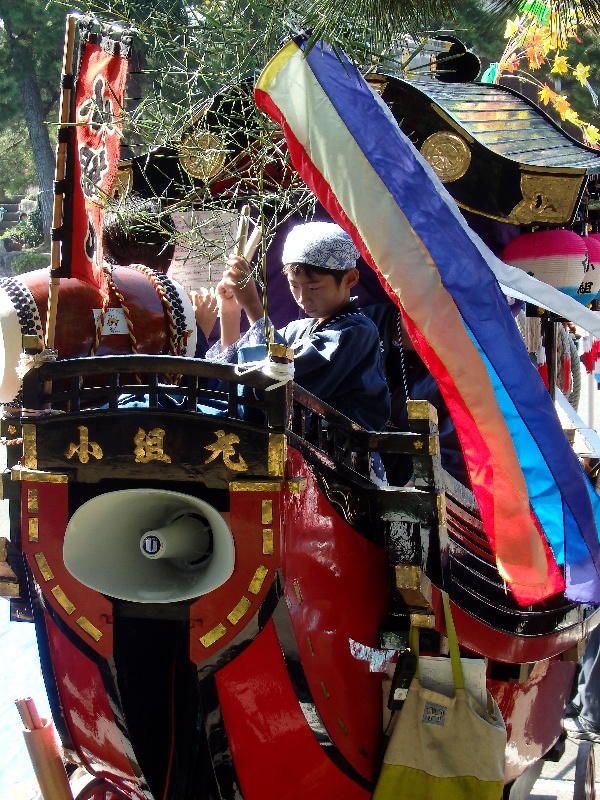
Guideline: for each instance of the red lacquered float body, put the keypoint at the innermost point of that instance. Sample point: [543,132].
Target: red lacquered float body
[254,665]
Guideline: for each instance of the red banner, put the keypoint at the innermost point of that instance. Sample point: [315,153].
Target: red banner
[99,104]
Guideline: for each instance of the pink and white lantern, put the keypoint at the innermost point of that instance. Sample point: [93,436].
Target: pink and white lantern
[592,278]
[557,257]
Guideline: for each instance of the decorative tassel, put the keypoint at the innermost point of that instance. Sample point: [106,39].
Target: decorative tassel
[590,355]
[542,366]
[566,373]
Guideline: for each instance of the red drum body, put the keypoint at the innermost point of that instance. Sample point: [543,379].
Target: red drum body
[139,310]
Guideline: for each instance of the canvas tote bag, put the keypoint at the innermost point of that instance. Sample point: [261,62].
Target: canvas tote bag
[449,748]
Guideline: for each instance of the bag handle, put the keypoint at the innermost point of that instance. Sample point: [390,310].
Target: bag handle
[457,670]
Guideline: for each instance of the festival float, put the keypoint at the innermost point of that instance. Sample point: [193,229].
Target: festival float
[220,600]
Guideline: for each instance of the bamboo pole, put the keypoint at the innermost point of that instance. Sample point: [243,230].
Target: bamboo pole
[42,746]
[60,172]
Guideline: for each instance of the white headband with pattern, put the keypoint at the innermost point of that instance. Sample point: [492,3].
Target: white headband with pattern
[320,244]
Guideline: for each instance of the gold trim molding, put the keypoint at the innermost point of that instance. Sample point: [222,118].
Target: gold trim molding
[29,447]
[277,455]
[255,486]
[37,476]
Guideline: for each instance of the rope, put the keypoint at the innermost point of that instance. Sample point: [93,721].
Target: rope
[562,347]
[100,324]
[120,297]
[176,343]
[31,361]
[575,393]
[568,346]
[282,373]
[398,344]
[10,442]
[112,287]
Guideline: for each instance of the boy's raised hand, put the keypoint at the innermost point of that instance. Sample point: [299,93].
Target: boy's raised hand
[237,279]
[205,309]
[230,313]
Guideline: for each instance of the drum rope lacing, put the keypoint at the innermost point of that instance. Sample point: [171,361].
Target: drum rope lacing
[167,294]
[173,309]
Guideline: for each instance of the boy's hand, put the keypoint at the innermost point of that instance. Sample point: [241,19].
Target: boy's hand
[229,313]
[227,305]
[205,307]
[238,280]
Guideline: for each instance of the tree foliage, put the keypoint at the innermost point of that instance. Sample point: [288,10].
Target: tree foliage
[477,27]
[587,51]
[38,29]
[31,41]
[549,65]
[17,168]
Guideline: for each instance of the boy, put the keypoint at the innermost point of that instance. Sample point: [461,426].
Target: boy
[336,349]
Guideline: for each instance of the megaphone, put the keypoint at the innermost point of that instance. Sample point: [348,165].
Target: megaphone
[149,546]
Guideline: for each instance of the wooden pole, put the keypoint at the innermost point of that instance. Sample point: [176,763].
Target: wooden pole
[60,172]
[40,739]
[549,327]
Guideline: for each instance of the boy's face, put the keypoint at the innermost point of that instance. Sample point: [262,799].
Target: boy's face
[321,296]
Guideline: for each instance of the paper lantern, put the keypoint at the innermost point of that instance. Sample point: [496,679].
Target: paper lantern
[592,277]
[557,257]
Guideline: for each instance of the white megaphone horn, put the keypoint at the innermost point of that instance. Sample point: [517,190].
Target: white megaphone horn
[149,546]
[186,537]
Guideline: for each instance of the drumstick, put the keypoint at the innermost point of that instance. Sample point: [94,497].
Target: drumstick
[253,243]
[242,248]
[242,232]
[28,713]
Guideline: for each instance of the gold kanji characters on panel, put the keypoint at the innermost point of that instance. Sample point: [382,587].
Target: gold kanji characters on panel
[85,448]
[225,446]
[150,446]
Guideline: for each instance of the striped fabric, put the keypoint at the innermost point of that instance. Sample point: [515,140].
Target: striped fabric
[536,503]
